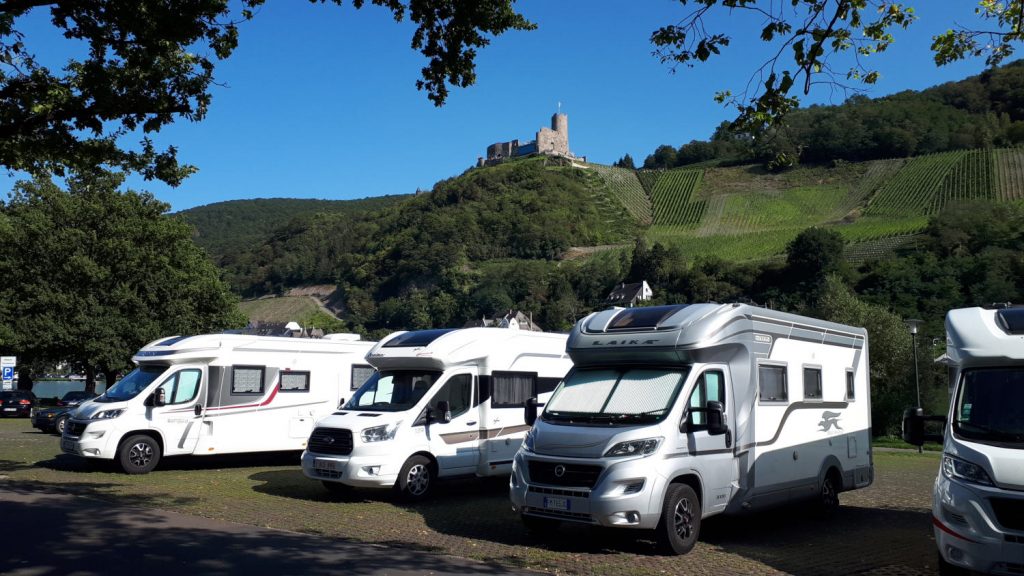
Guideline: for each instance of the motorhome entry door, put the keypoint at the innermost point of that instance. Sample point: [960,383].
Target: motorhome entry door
[456,444]
[181,418]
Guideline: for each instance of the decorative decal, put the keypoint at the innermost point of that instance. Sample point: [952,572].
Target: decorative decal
[828,420]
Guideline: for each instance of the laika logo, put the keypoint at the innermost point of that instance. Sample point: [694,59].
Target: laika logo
[559,471]
[624,343]
[829,419]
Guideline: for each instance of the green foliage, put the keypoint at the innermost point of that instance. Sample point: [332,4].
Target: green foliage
[673,198]
[625,185]
[92,274]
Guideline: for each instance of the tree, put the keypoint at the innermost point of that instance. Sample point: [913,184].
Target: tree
[151,62]
[807,39]
[812,256]
[92,274]
[625,162]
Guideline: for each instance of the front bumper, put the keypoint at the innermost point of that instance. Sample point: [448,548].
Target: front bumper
[91,439]
[361,471]
[628,493]
[967,528]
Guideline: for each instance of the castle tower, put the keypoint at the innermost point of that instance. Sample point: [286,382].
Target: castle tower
[560,124]
[555,140]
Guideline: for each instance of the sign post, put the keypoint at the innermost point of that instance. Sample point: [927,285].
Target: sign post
[7,364]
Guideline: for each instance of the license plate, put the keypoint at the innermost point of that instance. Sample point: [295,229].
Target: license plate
[10,409]
[556,503]
[67,446]
[324,464]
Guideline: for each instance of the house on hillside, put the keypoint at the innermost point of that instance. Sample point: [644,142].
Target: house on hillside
[628,295]
[515,320]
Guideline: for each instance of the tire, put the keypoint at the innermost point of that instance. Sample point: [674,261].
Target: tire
[679,526]
[416,479]
[537,525]
[59,425]
[138,454]
[828,494]
[337,488]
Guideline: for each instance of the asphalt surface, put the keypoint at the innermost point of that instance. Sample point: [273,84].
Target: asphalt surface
[50,533]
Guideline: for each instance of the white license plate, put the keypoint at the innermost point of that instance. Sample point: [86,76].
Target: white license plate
[324,464]
[556,503]
[67,445]
[10,409]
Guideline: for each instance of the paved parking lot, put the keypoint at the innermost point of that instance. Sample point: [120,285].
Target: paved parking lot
[884,529]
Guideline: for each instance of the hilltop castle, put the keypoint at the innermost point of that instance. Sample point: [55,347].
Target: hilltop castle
[552,141]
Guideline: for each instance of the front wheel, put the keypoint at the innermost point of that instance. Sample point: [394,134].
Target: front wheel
[59,425]
[138,454]
[679,525]
[415,479]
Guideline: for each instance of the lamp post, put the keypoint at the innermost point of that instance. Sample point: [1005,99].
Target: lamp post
[913,324]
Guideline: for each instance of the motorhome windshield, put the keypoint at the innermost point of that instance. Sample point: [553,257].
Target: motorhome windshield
[133,384]
[393,390]
[990,406]
[608,396]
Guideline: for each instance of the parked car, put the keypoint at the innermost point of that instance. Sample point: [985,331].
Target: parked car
[17,403]
[52,419]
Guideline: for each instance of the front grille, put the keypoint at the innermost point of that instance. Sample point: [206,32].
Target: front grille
[559,514]
[332,474]
[75,428]
[560,474]
[559,492]
[1009,512]
[330,441]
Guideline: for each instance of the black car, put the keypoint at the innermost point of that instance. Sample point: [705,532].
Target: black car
[53,419]
[17,403]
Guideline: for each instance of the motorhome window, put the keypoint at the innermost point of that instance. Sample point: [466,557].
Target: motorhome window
[615,396]
[133,384]
[771,381]
[850,393]
[417,338]
[1011,320]
[360,373]
[511,389]
[645,317]
[990,406]
[393,391]
[812,383]
[458,392]
[182,387]
[710,388]
[247,379]
[294,381]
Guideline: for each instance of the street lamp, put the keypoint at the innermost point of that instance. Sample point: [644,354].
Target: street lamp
[913,324]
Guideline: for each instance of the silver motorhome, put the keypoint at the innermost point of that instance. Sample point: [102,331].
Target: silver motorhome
[978,500]
[675,413]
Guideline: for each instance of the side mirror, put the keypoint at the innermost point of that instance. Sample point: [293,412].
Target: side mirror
[716,418]
[530,411]
[157,398]
[341,404]
[913,427]
[444,410]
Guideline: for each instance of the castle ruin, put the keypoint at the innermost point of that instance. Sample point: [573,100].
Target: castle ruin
[552,141]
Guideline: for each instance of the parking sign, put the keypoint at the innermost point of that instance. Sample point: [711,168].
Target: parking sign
[7,364]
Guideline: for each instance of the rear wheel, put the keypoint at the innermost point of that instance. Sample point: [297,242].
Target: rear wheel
[679,526]
[138,454]
[416,479]
[828,493]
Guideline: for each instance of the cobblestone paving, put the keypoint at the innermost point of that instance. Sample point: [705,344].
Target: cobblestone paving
[882,530]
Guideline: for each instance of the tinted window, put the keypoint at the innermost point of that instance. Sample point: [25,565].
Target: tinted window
[247,380]
[849,385]
[812,383]
[649,317]
[417,338]
[457,392]
[771,382]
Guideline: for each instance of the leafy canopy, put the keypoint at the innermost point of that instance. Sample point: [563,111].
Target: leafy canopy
[148,63]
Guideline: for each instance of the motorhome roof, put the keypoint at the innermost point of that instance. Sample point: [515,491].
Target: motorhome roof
[985,336]
[177,348]
[452,347]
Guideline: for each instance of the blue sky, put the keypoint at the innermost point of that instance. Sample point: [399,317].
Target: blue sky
[320,102]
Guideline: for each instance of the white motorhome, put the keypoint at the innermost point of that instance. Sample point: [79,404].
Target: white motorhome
[217,394]
[978,501]
[675,413]
[443,403]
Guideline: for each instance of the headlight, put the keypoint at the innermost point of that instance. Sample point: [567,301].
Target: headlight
[635,447]
[380,433]
[955,468]
[529,440]
[108,414]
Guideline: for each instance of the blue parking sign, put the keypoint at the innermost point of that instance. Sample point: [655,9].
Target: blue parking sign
[8,373]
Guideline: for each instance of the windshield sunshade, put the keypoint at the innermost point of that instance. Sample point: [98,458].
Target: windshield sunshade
[613,395]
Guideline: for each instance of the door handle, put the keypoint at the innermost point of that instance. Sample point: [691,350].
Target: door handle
[470,423]
[199,410]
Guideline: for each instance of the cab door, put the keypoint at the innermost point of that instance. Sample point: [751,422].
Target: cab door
[456,443]
[714,454]
[180,419]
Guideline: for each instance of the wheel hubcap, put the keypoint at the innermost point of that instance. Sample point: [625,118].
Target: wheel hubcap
[418,479]
[683,519]
[828,493]
[140,454]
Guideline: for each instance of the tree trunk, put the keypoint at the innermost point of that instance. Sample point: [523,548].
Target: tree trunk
[110,376]
[25,381]
[90,378]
